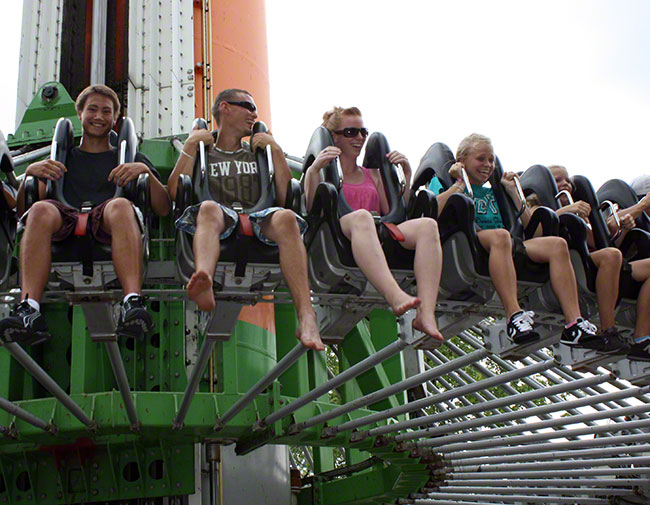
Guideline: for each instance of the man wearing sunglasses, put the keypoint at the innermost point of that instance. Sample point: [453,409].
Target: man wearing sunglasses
[234,179]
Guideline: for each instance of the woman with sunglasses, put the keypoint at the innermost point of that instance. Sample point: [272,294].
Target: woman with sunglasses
[364,192]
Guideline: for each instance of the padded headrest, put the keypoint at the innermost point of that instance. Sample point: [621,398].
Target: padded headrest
[585,191]
[620,192]
[200,186]
[320,139]
[376,150]
[127,135]
[62,142]
[6,161]
[539,180]
[436,162]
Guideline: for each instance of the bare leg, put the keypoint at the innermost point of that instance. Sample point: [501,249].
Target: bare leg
[498,244]
[43,221]
[422,235]
[608,261]
[119,220]
[282,228]
[555,252]
[359,228]
[641,273]
[209,226]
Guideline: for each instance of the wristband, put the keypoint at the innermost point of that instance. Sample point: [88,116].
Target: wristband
[459,179]
[185,154]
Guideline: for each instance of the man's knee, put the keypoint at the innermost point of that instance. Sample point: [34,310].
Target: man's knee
[210,212]
[43,216]
[119,208]
[285,221]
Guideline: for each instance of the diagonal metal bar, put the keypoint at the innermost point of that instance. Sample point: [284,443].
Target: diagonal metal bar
[193,382]
[496,432]
[560,465]
[496,404]
[48,383]
[402,409]
[544,499]
[389,391]
[28,417]
[346,375]
[531,490]
[528,439]
[536,412]
[554,446]
[555,455]
[122,383]
[289,359]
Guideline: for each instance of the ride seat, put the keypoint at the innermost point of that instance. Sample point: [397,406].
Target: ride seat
[245,263]
[80,262]
[465,275]
[332,267]
[7,216]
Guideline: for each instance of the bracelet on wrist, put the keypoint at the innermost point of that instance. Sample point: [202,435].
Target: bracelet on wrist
[188,155]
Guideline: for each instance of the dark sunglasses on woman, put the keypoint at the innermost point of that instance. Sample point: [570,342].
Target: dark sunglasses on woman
[352,132]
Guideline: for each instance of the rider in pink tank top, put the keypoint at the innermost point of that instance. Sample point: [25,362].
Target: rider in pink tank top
[364,195]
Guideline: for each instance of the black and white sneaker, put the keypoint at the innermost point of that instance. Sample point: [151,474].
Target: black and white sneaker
[134,320]
[640,349]
[521,327]
[584,334]
[25,325]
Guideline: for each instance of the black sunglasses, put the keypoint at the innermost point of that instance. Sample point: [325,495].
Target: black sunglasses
[353,132]
[246,105]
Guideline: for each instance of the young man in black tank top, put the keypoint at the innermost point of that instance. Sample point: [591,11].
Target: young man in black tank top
[233,177]
[91,175]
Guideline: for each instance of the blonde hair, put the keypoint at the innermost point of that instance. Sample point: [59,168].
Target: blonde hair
[469,143]
[332,118]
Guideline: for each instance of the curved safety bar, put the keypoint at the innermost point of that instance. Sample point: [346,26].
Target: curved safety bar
[621,193]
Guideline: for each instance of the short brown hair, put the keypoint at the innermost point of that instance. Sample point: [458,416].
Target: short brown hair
[100,89]
[224,96]
[332,118]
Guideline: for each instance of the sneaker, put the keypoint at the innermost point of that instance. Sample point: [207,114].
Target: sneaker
[584,334]
[25,325]
[134,319]
[640,349]
[520,327]
[614,343]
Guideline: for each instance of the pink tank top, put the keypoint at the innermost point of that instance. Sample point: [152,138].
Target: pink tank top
[364,195]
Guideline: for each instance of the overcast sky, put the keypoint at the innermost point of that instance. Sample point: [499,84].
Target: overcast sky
[551,81]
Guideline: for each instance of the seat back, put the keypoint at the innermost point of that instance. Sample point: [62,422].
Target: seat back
[621,193]
[63,142]
[436,162]
[7,214]
[539,180]
[200,174]
[585,191]
[393,177]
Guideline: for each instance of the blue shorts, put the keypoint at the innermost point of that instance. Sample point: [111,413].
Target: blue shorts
[187,222]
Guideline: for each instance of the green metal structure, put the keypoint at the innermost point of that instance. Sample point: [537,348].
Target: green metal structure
[64,460]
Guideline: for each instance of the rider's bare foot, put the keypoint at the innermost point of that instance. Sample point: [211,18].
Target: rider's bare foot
[199,290]
[404,304]
[428,325]
[308,333]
